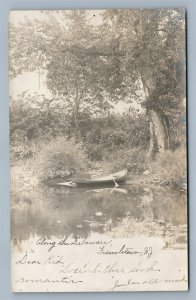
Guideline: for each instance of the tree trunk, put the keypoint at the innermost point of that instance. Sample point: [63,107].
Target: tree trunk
[153,144]
[160,130]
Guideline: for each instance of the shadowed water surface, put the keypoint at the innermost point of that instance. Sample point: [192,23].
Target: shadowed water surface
[78,212]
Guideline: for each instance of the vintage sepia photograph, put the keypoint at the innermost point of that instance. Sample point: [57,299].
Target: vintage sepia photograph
[98,150]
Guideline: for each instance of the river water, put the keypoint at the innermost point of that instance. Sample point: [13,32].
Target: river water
[79,212]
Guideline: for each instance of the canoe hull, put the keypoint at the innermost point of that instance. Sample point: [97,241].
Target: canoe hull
[97,180]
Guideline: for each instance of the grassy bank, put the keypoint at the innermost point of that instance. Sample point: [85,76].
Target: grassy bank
[129,226]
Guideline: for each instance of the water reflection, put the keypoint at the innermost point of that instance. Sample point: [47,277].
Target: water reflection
[59,211]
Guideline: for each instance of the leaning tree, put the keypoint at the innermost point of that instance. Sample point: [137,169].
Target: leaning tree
[150,46]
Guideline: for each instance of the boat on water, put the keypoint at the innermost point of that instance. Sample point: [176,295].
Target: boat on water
[96,179]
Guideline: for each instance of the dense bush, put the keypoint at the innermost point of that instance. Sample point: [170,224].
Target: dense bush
[132,159]
[31,125]
[120,132]
[21,148]
[95,152]
[59,158]
[169,168]
[104,136]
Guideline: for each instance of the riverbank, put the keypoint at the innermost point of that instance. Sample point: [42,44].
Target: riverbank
[24,176]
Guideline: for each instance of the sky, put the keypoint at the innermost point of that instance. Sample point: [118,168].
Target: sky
[17,16]
[29,81]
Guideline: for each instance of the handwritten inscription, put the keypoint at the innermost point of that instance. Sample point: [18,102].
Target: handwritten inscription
[147,251]
[67,242]
[152,281]
[99,264]
[118,284]
[47,280]
[126,250]
[87,267]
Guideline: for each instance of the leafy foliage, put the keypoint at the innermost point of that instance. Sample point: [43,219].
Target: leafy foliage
[92,67]
[153,45]
[134,56]
[115,133]
[59,158]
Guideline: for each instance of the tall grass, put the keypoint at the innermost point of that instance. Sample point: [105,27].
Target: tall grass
[169,168]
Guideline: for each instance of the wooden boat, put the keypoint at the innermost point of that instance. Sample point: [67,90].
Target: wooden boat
[96,179]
